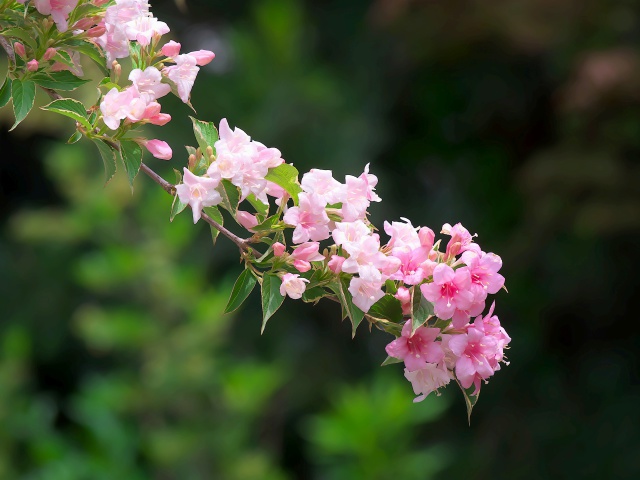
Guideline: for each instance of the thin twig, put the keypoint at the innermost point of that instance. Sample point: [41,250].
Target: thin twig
[166,186]
[8,48]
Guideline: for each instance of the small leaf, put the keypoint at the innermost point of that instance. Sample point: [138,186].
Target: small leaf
[74,138]
[92,51]
[341,289]
[70,108]
[391,287]
[314,294]
[63,80]
[387,308]
[468,399]
[421,309]
[270,224]
[241,290]
[177,206]
[63,57]
[5,92]
[230,196]
[206,134]
[215,215]
[271,298]
[21,34]
[23,93]
[391,361]
[108,155]
[286,176]
[260,207]
[131,156]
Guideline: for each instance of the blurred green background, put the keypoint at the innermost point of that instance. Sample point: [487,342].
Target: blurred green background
[519,118]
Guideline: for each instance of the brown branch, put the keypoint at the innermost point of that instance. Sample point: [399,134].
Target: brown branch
[8,48]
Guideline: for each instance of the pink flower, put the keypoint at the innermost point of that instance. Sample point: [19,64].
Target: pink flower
[367,253]
[308,252]
[183,74]
[449,290]
[461,240]
[116,106]
[417,349]
[159,149]
[484,268]
[125,11]
[96,31]
[366,289]
[114,42]
[411,270]
[322,183]
[278,249]
[335,264]
[309,219]
[404,295]
[171,49]
[302,265]
[490,325]
[144,28]
[203,57]
[149,82]
[32,65]
[153,115]
[292,285]
[350,235]
[402,234]
[428,379]
[246,219]
[198,192]
[475,352]
[58,9]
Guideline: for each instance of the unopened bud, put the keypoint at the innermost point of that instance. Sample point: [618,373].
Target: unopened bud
[19,49]
[171,49]
[116,70]
[198,152]
[96,31]
[84,23]
[209,151]
[32,65]
[49,54]
[192,161]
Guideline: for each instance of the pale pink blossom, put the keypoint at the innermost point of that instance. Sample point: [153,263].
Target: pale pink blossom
[278,249]
[490,325]
[301,265]
[368,253]
[246,219]
[404,295]
[335,264]
[309,219]
[32,65]
[159,149]
[58,9]
[402,234]
[233,149]
[322,183]
[125,11]
[418,348]
[171,49]
[483,268]
[203,57]
[413,265]
[114,42]
[149,82]
[308,251]
[367,288]
[117,106]
[198,192]
[461,240]
[428,379]
[183,74]
[449,290]
[144,28]
[153,115]
[292,285]
[349,235]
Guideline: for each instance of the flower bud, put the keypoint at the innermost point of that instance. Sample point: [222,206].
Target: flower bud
[98,3]
[160,119]
[247,220]
[302,266]
[278,249]
[32,65]
[84,23]
[49,54]
[171,49]
[19,49]
[335,264]
[96,31]
[426,236]
[159,149]
[202,57]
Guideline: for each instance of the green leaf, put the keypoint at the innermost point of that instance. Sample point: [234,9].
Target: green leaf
[91,51]
[230,196]
[64,80]
[341,289]
[206,134]
[177,206]
[270,224]
[74,138]
[391,361]
[421,309]
[63,57]
[131,156]
[387,308]
[390,287]
[70,108]
[312,295]
[271,298]
[108,155]
[215,215]
[260,207]
[23,93]
[5,92]
[21,34]
[286,176]
[469,400]
[241,290]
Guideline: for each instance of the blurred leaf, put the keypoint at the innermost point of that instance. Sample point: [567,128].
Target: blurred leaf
[271,297]
[131,156]
[70,108]
[108,155]
[5,92]
[215,215]
[241,290]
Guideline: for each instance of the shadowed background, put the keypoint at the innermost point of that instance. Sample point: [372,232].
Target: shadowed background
[519,119]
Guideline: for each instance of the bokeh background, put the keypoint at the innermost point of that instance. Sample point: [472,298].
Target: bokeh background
[518,118]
